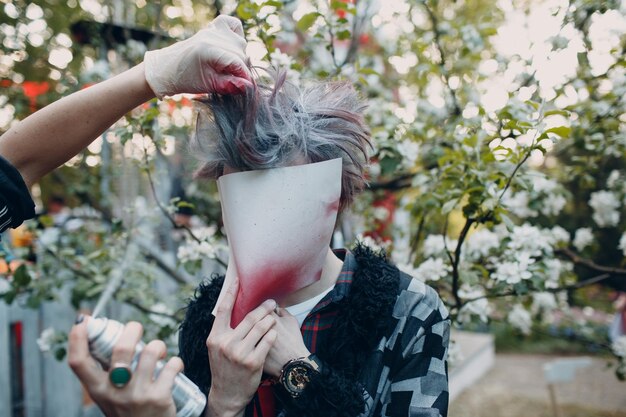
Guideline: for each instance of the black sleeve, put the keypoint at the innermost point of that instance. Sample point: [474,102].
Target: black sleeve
[16,205]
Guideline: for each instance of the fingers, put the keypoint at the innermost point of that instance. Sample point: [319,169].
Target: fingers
[151,353]
[124,349]
[231,23]
[79,358]
[265,344]
[165,381]
[258,331]
[253,317]
[225,309]
[228,84]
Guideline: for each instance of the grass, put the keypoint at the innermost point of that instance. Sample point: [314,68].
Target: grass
[542,343]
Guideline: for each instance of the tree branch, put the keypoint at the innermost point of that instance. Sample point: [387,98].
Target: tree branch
[455,263]
[442,58]
[510,293]
[578,260]
[89,278]
[401,182]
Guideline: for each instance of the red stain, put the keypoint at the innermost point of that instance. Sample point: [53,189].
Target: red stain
[272,281]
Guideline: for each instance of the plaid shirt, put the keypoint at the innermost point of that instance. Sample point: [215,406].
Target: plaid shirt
[314,327]
[321,317]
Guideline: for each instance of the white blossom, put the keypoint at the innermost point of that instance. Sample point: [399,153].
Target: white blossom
[559,234]
[613,180]
[280,60]
[622,243]
[371,243]
[381,213]
[518,204]
[195,251]
[544,185]
[605,205]
[471,37]
[46,339]
[558,42]
[204,245]
[529,239]
[409,150]
[432,269]
[435,245]
[601,108]
[160,315]
[583,238]
[520,318]
[204,232]
[619,346]
[552,204]
[374,169]
[543,302]
[553,269]
[514,271]
[479,243]
[479,307]
[283,61]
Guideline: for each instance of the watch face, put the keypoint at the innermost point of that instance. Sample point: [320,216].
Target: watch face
[296,377]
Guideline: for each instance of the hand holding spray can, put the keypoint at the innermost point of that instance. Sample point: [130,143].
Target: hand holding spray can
[104,333]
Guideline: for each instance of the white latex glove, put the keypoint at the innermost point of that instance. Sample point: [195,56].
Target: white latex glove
[211,61]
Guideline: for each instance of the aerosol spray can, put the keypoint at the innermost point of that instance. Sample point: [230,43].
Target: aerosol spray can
[103,333]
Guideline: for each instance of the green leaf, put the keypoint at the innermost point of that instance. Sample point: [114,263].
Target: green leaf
[342,35]
[389,163]
[21,277]
[368,71]
[556,111]
[247,10]
[307,21]
[60,353]
[338,5]
[448,206]
[507,222]
[274,3]
[562,131]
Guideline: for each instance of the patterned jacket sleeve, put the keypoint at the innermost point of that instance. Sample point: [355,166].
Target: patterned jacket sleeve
[419,373]
[16,205]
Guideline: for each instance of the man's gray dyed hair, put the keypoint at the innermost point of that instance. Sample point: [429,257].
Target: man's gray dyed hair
[283,125]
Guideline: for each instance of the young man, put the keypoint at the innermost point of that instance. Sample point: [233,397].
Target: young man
[368,340]
[361,339]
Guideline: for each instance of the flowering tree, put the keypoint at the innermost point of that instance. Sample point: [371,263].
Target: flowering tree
[499,132]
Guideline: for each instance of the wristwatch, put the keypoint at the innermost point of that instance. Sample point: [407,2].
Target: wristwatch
[297,373]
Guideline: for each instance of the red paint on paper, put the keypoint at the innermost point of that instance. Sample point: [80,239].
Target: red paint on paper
[273,281]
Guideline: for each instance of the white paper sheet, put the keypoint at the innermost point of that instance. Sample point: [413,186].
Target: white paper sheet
[279,224]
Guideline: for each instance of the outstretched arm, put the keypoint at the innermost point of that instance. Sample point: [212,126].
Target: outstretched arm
[53,135]
[211,61]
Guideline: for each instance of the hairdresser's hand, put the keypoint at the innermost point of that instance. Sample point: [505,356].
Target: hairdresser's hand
[211,61]
[143,396]
[237,355]
[289,343]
